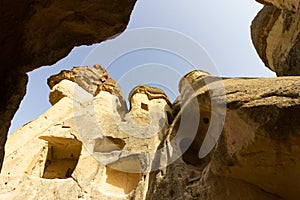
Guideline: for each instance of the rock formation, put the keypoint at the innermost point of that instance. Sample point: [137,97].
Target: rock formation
[84,147]
[36,33]
[222,138]
[88,145]
[256,156]
[275,34]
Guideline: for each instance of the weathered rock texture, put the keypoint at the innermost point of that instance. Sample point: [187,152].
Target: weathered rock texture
[85,148]
[36,33]
[82,148]
[275,34]
[257,155]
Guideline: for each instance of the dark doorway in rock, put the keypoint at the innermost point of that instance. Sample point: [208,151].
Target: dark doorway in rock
[62,157]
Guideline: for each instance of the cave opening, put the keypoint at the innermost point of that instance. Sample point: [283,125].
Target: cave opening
[62,157]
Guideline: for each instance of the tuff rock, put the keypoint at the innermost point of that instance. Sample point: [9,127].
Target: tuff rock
[275,35]
[229,138]
[36,33]
[256,154]
[222,138]
[83,147]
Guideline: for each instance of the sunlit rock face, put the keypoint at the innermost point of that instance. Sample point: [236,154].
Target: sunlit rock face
[256,155]
[37,33]
[231,138]
[275,35]
[87,145]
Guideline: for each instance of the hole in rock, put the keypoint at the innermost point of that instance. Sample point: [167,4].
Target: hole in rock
[206,120]
[62,157]
[190,147]
[144,106]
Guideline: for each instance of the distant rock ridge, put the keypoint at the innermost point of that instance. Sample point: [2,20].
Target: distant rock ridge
[86,146]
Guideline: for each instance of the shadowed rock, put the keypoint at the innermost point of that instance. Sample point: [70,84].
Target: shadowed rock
[275,33]
[256,156]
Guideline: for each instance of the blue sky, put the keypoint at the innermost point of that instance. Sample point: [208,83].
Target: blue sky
[221,28]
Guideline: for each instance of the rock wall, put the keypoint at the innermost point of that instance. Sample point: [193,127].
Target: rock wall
[82,148]
[88,145]
[275,35]
[37,33]
[256,156]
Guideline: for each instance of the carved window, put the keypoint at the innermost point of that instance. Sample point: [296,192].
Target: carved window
[62,157]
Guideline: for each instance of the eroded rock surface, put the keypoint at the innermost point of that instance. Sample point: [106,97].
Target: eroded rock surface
[275,35]
[92,79]
[36,33]
[256,156]
[233,138]
[82,148]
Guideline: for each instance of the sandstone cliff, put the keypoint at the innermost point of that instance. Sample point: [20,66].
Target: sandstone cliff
[89,146]
[275,34]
